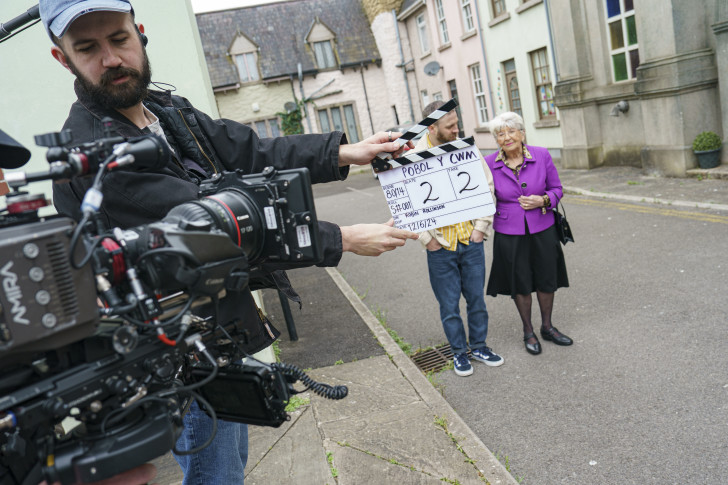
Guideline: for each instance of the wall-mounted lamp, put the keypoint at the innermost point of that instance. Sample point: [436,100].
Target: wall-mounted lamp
[621,107]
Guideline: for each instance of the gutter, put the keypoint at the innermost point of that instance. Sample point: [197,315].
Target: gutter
[412,8]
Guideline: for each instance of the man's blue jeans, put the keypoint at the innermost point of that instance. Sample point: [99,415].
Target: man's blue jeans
[453,273]
[221,463]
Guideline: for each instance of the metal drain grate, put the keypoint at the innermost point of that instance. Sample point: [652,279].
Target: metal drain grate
[433,360]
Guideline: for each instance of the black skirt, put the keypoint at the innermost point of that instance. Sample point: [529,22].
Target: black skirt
[524,264]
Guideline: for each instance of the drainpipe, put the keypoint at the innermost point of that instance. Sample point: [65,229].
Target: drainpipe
[403,65]
[303,98]
[485,59]
[366,97]
[551,40]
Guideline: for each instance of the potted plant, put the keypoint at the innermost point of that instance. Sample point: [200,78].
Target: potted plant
[707,146]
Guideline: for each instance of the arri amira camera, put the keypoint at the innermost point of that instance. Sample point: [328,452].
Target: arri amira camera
[107,334]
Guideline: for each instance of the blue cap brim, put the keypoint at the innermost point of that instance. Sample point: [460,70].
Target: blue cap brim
[60,24]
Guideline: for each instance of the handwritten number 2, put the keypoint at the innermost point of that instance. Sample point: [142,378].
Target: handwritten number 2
[429,193]
[466,183]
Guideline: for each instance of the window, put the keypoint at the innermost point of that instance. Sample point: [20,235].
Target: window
[514,95]
[499,7]
[266,128]
[425,97]
[542,81]
[479,94]
[340,118]
[441,22]
[454,95]
[623,46]
[437,96]
[247,67]
[245,54]
[422,32]
[467,10]
[324,54]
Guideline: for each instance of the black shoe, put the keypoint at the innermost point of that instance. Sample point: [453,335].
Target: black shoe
[534,349]
[555,336]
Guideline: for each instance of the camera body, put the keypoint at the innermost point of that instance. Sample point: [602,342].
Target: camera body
[126,371]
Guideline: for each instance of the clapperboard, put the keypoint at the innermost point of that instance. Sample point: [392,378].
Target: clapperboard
[437,187]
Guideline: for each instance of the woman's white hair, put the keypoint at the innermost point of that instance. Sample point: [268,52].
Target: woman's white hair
[508,119]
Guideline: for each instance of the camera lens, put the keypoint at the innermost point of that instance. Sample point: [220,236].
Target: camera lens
[232,212]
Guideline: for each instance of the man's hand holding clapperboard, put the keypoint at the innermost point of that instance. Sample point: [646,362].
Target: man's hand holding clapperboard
[437,187]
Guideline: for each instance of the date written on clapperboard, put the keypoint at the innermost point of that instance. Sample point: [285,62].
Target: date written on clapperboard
[441,186]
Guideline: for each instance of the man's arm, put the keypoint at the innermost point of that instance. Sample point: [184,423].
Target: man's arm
[374,239]
[327,155]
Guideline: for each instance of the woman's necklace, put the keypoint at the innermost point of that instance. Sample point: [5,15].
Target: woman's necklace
[515,166]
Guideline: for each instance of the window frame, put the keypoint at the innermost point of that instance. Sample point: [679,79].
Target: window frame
[627,49]
[344,119]
[441,22]
[508,76]
[247,58]
[466,12]
[479,95]
[421,26]
[498,5]
[325,53]
[254,124]
[538,83]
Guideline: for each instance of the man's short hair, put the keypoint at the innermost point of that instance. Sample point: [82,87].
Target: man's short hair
[427,111]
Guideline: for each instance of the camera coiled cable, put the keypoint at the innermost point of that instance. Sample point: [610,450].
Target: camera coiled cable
[324,390]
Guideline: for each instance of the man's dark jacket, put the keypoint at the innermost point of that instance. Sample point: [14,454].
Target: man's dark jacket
[138,196]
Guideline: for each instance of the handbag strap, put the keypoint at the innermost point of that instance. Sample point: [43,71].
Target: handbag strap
[561,206]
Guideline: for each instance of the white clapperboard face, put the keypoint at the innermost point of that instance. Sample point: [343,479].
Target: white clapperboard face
[438,187]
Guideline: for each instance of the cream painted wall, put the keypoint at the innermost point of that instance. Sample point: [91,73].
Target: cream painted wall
[352,91]
[507,40]
[238,104]
[36,92]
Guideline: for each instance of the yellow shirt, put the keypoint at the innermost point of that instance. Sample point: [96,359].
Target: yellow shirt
[457,232]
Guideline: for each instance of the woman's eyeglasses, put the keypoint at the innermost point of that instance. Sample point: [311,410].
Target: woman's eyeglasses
[511,133]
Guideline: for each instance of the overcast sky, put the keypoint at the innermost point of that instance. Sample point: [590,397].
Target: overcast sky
[210,5]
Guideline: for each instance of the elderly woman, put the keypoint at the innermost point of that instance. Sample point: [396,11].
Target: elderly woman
[527,255]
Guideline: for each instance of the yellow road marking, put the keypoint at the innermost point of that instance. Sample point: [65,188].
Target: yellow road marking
[695,216]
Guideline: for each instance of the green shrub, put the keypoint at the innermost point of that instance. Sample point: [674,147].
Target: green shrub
[705,141]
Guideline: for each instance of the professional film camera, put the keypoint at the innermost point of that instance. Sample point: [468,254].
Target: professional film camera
[106,335]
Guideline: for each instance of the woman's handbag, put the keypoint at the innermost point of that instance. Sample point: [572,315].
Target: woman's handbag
[562,225]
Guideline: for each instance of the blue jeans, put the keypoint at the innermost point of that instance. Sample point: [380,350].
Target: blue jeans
[453,273]
[221,463]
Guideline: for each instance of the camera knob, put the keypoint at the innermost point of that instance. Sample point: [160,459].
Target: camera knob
[163,368]
[116,385]
[57,408]
[268,172]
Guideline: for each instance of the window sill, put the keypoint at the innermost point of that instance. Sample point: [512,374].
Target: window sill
[444,46]
[503,17]
[468,35]
[426,54]
[547,123]
[526,5]
[482,129]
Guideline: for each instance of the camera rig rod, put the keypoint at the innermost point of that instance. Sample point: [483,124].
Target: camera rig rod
[33,13]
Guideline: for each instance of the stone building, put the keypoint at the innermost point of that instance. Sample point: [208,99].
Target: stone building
[317,54]
[350,64]
[637,81]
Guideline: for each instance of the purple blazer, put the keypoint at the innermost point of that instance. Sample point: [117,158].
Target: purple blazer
[538,176]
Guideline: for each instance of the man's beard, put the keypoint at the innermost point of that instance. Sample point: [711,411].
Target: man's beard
[442,137]
[114,96]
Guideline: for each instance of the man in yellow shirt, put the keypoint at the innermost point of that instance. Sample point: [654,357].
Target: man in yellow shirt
[456,263]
